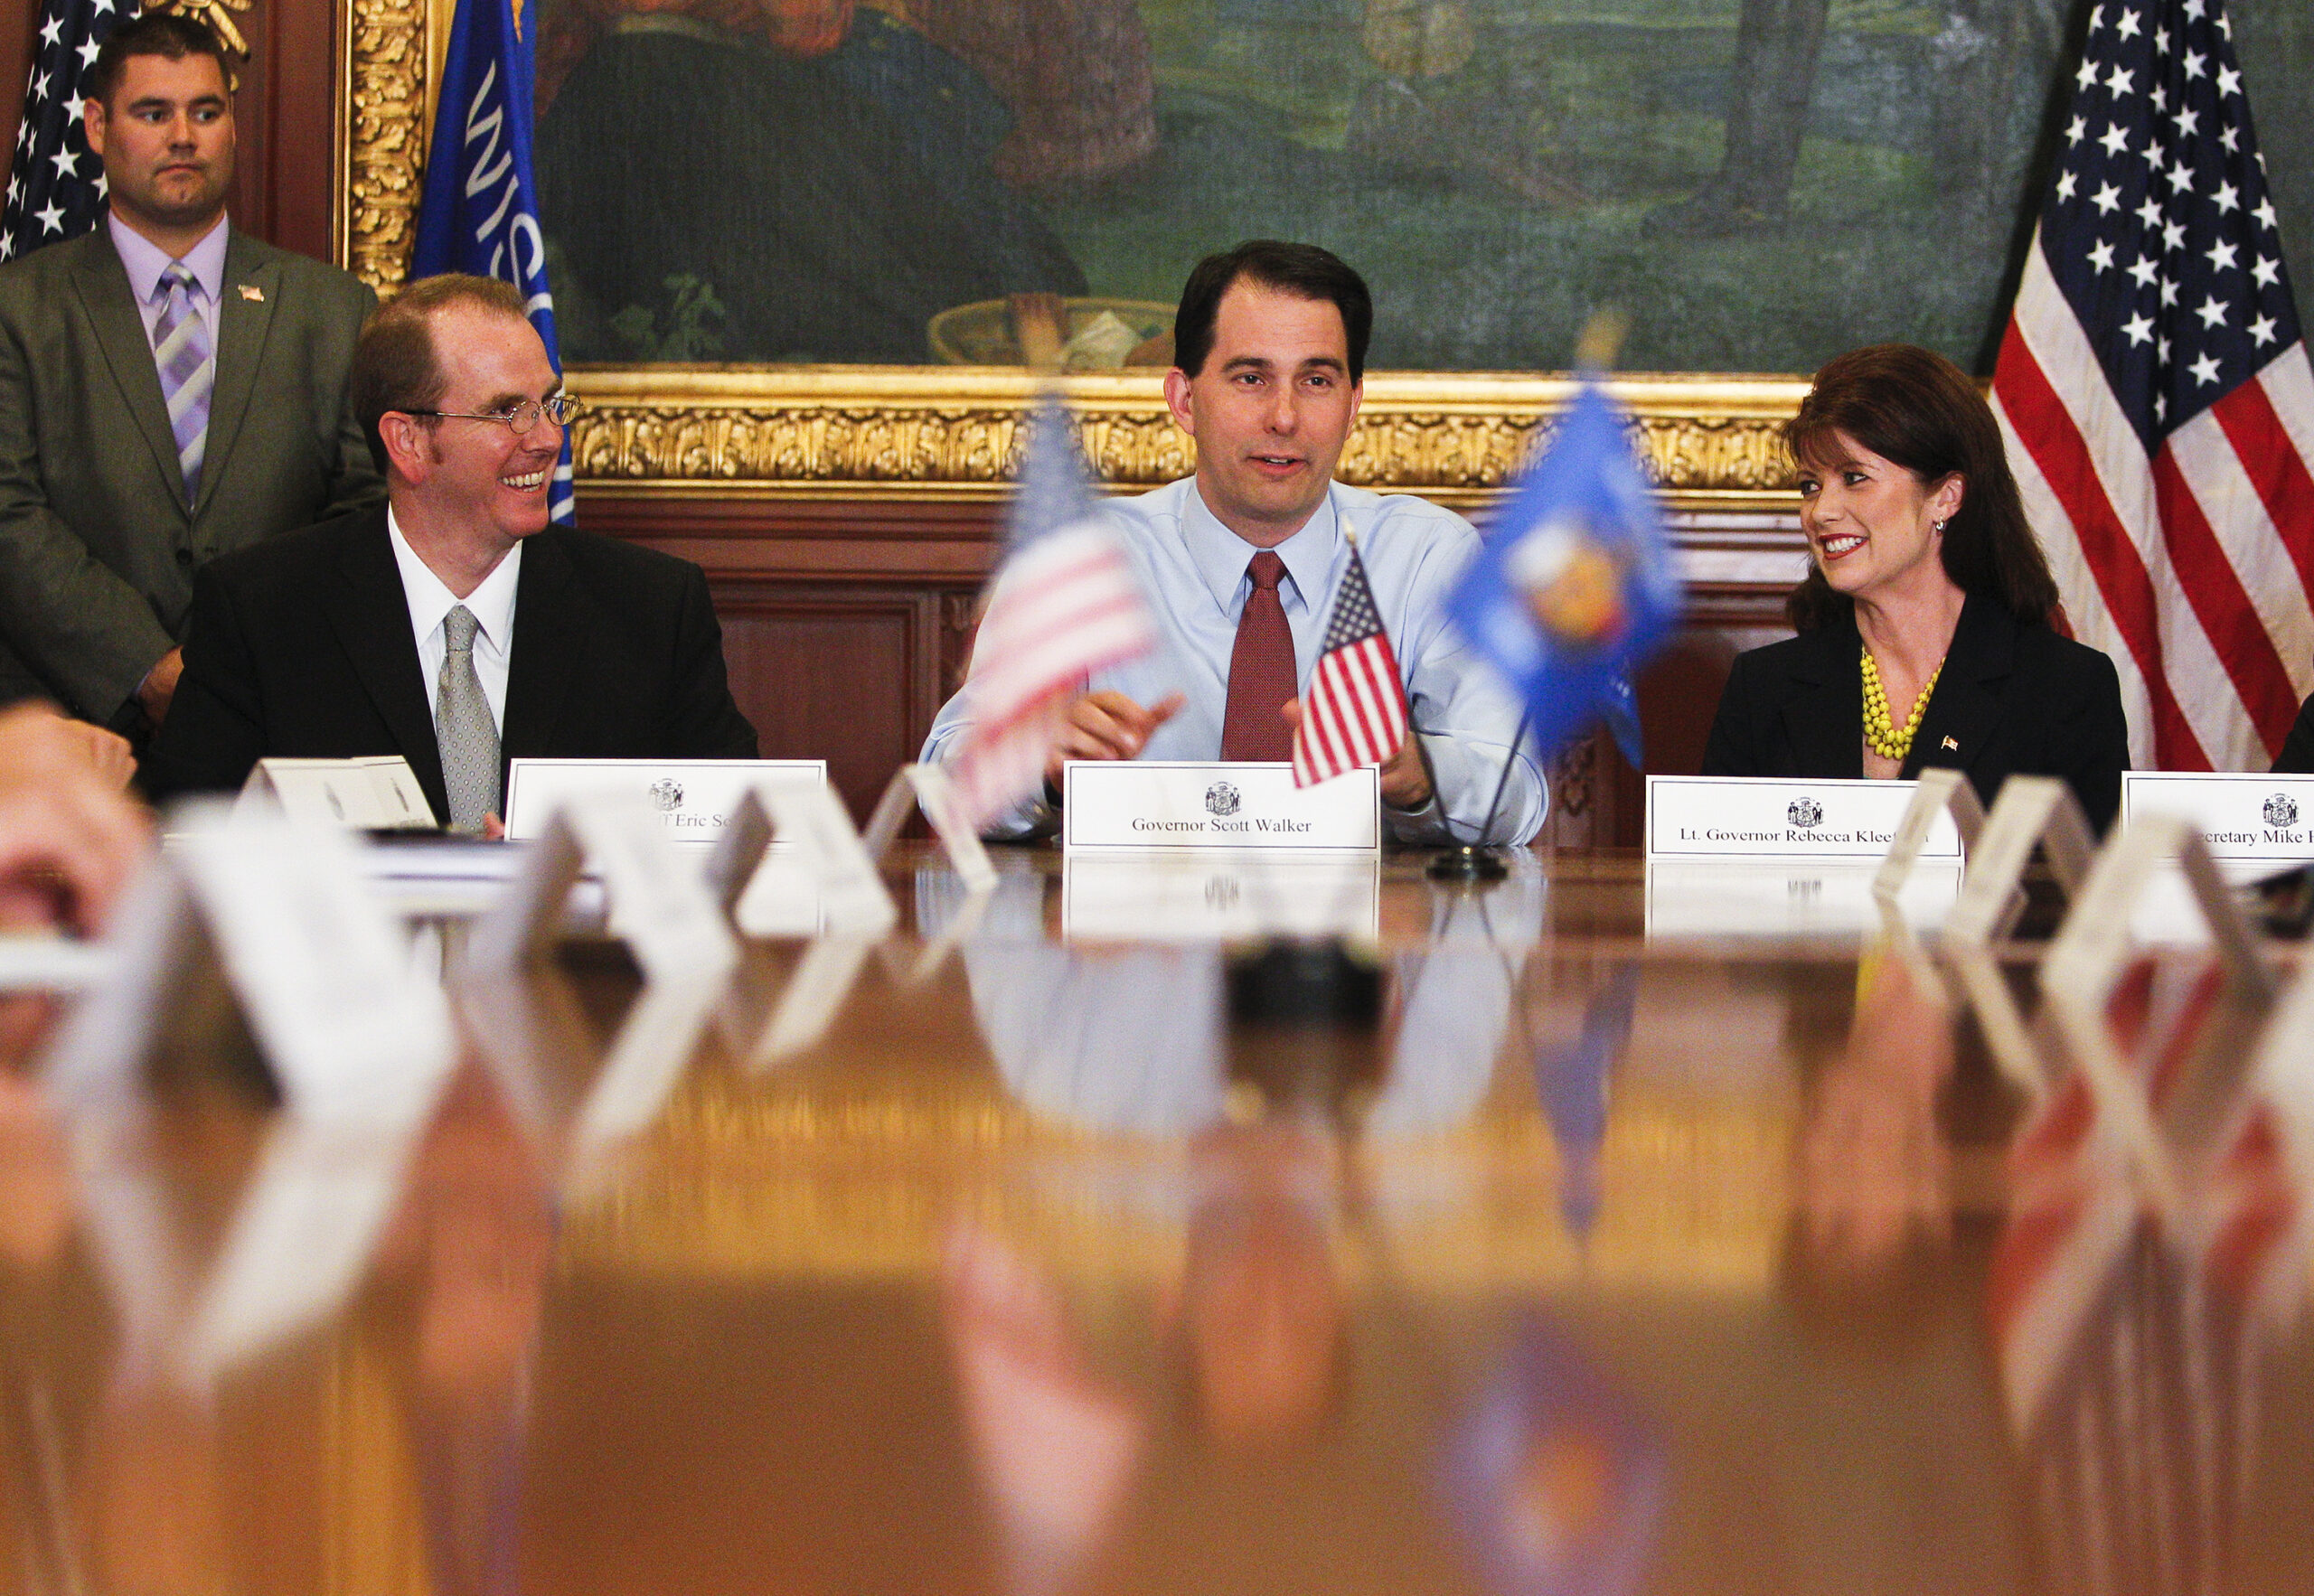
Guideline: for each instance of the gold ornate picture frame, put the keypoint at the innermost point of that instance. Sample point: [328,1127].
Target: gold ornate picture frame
[949,432]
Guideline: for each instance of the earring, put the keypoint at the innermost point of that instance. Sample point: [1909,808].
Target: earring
[1937,527]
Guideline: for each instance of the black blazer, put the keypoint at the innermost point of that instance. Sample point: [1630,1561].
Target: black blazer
[2296,756]
[2011,698]
[301,647]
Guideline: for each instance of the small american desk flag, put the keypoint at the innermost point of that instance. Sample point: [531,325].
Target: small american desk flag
[1355,711]
[2156,396]
[1065,605]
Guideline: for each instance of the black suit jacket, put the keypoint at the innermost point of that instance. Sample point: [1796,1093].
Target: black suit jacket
[301,647]
[2296,756]
[2011,698]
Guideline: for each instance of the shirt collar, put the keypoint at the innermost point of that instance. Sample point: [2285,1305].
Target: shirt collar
[145,260]
[492,605]
[1221,556]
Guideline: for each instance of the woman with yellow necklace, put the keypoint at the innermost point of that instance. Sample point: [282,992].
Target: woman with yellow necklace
[1926,621]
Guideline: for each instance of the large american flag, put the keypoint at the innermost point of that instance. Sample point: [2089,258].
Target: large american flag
[1354,711]
[56,185]
[1064,604]
[2156,397]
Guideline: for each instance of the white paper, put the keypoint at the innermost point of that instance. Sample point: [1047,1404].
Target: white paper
[815,996]
[2269,818]
[1945,794]
[926,787]
[47,962]
[658,901]
[380,793]
[2095,945]
[823,881]
[1174,805]
[320,971]
[1698,817]
[693,798]
[2031,811]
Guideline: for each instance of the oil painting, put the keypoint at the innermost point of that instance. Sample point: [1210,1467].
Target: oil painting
[1763,182]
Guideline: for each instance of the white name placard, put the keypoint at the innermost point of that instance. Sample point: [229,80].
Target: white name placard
[378,793]
[694,798]
[1702,817]
[2241,817]
[1176,804]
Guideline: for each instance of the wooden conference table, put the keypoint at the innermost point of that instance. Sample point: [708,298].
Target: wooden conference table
[1525,1255]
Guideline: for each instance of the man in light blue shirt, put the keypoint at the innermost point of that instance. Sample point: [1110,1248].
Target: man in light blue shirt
[1270,341]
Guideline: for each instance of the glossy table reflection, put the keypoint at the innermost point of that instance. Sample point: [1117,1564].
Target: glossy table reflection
[1587,1264]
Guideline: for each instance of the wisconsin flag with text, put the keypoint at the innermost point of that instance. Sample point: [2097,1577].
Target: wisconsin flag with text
[479,210]
[1354,711]
[2156,397]
[1574,585]
[1064,604]
[56,183]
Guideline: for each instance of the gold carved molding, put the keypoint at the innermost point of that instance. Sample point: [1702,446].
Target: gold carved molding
[1710,443]
[940,432]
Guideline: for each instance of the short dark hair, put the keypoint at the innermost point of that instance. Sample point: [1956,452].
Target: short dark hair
[154,32]
[394,367]
[1913,407]
[1302,270]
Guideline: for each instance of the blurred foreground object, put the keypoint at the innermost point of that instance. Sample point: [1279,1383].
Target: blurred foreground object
[70,841]
[1063,606]
[1573,586]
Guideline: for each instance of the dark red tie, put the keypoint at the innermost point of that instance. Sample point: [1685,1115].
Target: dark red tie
[1261,671]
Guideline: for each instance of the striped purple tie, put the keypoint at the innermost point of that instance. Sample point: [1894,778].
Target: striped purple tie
[188,366]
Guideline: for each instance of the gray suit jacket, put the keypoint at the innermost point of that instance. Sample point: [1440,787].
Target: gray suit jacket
[98,547]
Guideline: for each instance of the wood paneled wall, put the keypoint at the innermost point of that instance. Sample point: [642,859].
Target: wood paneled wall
[846,625]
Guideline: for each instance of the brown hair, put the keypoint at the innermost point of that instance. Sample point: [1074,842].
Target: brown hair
[165,34]
[1916,407]
[1302,270]
[394,368]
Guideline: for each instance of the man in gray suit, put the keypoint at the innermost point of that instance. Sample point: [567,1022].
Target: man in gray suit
[171,389]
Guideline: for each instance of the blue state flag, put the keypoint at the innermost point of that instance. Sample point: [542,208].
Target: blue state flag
[1573,586]
[479,210]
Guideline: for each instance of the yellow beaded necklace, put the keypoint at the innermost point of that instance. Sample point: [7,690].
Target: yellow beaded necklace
[1879,726]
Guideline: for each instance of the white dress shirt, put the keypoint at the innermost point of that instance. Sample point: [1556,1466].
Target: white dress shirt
[492,605]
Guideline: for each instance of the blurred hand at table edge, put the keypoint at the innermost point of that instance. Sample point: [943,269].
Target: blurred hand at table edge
[71,838]
[1109,726]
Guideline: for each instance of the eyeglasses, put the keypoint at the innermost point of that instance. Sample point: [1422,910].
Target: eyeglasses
[520,419]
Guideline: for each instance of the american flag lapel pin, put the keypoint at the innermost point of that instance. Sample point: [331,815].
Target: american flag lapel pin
[252,292]
[1950,746]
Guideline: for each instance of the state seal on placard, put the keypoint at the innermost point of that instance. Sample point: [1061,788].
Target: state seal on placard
[1804,813]
[1221,798]
[2281,810]
[667,793]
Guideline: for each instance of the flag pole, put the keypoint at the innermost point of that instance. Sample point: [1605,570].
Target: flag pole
[1478,861]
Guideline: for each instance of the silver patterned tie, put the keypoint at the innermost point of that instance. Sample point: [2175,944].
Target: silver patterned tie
[463,729]
[188,367]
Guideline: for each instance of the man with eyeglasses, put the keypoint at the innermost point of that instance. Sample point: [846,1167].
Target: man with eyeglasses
[172,388]
[453,626]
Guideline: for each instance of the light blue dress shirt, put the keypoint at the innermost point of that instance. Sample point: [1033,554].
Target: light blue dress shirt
[1192,572]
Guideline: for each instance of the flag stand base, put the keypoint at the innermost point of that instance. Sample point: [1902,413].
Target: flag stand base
[1468,863]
